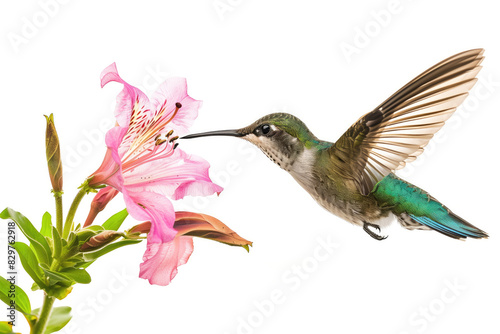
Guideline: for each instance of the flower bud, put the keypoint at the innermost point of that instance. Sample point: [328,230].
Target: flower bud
[205,226]
[197,225]
[100,240]
[53,153]
[99,203]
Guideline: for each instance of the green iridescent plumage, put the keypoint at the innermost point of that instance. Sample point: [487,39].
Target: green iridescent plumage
[293,126]
[403,198]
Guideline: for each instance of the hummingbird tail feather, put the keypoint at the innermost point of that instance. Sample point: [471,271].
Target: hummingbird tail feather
[416,209]
[452,226]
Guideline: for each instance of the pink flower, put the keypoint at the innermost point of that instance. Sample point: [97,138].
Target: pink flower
[143,162]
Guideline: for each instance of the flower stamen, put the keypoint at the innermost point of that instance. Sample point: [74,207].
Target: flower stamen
[158,152]
[160,141]
[177,107]
[155,126]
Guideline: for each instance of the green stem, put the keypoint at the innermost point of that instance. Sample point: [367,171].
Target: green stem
[44,316]
[59,213]
[72,210]
[55,265]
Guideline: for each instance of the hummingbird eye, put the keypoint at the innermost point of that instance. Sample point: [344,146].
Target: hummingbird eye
[265,129]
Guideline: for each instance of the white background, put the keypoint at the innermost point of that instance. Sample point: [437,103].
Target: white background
[245,59]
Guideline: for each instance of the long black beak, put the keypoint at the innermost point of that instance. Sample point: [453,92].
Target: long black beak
[232,133]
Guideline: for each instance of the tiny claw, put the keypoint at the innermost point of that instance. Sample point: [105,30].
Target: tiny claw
[366,228]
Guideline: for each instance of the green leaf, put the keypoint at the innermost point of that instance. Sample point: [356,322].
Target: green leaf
[115,221]
[72,261]
[46,225]
[85,264]
[59,317]
[6,328]
[78,275]
[30,263]
[91,256]
[42,249]
[95,228]
[20,298]
[72,239]
[56,277]
[56,238]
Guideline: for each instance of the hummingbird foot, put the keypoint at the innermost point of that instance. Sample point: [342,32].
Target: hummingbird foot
[366,228]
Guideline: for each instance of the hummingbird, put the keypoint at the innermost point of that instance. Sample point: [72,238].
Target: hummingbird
[354,177]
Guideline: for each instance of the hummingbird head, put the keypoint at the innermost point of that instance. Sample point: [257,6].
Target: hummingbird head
[282,137]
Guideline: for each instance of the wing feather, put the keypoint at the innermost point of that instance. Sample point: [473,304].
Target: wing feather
[397,131]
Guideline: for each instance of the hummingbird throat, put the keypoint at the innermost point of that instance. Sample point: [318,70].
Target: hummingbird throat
[286,152]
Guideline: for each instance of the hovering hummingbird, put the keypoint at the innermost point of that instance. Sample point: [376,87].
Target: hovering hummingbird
[353,177]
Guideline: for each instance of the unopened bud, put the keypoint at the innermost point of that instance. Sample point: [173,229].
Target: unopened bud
[99,203]
[53,152]
[100,240]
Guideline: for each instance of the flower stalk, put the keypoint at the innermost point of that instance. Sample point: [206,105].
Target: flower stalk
[84,190]
[43,318]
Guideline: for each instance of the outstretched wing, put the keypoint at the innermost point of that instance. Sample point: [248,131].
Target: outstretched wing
[397,131]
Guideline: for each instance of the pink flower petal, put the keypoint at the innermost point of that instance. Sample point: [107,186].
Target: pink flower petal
[132,105]
[185,116]
[170,92]
[196,169]
[179,175]
[196,188]
[155,208]
[162,259]
[114,139]
[108,173]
